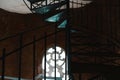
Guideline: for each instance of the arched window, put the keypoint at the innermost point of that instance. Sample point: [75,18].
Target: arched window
[50,63]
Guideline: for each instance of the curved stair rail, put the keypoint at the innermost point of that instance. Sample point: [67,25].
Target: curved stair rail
[56,12]
[6,54]
[52,10]
[28,6]
[35,7]
[98,77]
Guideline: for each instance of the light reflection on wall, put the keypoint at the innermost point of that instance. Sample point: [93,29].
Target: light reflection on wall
[18,6]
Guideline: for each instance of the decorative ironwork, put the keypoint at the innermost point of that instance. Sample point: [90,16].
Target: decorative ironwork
[50,62]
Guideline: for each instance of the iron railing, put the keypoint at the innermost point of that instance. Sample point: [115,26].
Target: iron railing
[84,21]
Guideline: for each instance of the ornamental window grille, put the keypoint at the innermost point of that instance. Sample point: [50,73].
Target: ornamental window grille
[60,63]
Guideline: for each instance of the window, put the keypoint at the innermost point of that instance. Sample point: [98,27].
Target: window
[50,63]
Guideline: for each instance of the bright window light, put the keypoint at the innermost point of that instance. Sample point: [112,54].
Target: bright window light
[50,63]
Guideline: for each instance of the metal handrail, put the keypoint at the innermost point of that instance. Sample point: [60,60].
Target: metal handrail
[23,32]
[114,41]
[27,6]
[7,54]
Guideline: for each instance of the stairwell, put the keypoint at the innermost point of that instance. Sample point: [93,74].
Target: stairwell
[80,31]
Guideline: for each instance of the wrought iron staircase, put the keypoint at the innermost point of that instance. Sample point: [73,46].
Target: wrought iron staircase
[98,77]
[51,10]
[84,48]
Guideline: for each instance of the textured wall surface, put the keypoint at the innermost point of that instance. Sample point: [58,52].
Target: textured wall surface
[103,19]
[13,23]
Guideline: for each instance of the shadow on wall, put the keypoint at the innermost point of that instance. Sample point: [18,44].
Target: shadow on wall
[16,23]
[12,23]
[98,16]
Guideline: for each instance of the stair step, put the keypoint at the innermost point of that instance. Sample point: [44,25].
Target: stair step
[82,35]
[48,8]
[81,32]
[12,78]
[34,1]
[73,31]
[90,44]
[99,54]
[56,17]
[63,24]
[97,77]
[93,68]
[86,41]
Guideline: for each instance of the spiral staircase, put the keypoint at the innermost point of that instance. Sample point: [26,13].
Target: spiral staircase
[56,12]
[52,10]
[88,50]
[84,45]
